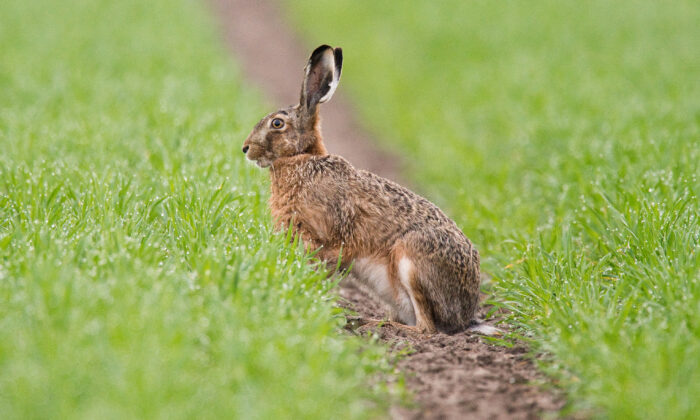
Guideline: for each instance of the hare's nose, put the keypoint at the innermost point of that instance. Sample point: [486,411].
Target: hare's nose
[245,149]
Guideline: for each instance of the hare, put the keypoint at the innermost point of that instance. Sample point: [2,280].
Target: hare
[402,246]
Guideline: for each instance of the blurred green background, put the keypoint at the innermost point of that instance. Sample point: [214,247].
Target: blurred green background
[139,276]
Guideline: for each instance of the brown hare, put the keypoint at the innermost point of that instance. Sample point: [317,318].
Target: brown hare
[402,246]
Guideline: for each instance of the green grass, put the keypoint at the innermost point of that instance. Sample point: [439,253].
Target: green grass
[564,137]
[139,277]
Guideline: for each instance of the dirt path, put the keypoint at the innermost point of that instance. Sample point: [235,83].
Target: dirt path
[462,375]
[451,376]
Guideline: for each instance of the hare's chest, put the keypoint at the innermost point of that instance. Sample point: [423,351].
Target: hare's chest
[311,221]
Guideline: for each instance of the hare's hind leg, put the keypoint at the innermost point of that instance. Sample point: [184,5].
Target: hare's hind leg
[408,276]
[402,309]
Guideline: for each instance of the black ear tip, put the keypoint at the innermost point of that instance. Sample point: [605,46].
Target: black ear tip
[338,58]
[321,49]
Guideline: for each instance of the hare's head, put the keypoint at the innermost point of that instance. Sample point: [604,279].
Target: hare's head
[296,130]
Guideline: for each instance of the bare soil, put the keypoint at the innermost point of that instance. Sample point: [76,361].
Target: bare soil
[457,376]
[450,376]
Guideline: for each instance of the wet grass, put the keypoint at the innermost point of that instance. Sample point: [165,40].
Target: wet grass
[565,139]
[139,277]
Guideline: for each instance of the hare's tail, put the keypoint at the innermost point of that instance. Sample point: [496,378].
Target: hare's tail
[481,327]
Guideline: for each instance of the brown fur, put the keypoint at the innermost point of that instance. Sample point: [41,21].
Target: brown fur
[335,207]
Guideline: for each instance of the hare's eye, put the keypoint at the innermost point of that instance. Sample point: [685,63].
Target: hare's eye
[277,123]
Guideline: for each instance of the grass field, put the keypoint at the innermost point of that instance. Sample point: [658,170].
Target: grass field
[139,277]
[564,138]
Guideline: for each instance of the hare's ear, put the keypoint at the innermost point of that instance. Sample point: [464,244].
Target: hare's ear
[322,74]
